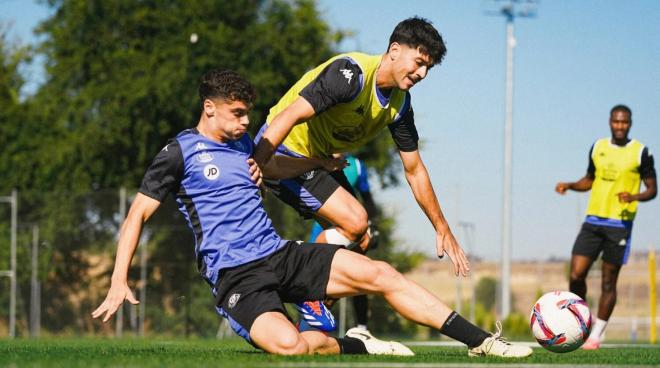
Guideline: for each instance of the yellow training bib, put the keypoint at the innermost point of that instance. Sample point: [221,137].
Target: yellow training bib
[345,126]
[617,170]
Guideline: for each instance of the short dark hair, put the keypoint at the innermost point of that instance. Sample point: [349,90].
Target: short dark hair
[419,33]
[621,107]
[227,85]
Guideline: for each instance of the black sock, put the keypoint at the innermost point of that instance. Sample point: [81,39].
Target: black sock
[458,328]
[361,308]
[350,345]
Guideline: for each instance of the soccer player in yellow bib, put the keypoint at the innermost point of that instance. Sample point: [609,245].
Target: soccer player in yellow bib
[617,166]
[341,105]
[338,107]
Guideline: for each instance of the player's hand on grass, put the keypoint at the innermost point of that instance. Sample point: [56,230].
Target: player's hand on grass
[255,172]
[115,298]
[446,243]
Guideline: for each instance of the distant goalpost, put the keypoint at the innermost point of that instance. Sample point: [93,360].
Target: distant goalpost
[11,273]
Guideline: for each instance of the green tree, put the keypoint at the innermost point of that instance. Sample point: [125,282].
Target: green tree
[14,127]
[120,79]
[15,149]
[486,291]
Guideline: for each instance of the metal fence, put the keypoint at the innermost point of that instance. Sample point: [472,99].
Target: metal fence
[64,248]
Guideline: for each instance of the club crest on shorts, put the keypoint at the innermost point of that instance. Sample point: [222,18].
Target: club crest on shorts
[623,243]
[308,175]
[211,172]
[233,299]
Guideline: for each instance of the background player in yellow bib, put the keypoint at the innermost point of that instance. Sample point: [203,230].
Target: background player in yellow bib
[617,166]
[338,107]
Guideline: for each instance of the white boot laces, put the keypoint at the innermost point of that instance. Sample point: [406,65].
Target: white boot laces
[498,337]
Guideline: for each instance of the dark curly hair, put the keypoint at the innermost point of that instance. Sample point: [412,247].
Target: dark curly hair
[419,33]
[623,108]
[227,85]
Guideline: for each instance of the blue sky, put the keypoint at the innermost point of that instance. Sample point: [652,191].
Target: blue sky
[573,62]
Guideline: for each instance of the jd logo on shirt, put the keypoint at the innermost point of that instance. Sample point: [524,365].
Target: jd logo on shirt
[211,172]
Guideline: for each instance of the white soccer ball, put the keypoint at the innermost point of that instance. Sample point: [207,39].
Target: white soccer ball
[560,321]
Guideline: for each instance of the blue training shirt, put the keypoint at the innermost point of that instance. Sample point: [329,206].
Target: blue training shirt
[212,186]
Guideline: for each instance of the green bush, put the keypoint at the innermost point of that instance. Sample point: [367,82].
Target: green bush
[516,327]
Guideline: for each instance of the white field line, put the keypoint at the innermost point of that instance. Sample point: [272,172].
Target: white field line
[471,365]
[448,365]
[524,343]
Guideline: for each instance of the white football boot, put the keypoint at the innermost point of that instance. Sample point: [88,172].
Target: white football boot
[496,345]
[378,347]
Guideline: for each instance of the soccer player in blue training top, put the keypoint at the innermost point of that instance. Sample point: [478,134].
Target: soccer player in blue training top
[250,269]
[338,107]
[617,167]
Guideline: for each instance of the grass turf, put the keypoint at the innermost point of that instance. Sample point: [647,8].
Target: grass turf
[236,353]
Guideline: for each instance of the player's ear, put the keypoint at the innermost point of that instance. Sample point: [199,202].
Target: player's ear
[209,107]
[394,51]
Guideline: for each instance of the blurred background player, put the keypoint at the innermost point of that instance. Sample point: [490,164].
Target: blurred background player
[338,107]
[617,166]
[357,178]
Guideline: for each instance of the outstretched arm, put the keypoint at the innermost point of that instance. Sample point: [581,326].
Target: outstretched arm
[300,110]
[141,209]
[581,185]
[420,183]
[585,183]
[282,167]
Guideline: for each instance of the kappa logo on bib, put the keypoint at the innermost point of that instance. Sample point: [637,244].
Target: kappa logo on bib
[211,172]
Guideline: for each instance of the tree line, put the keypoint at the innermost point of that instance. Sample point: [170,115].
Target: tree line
[120,78]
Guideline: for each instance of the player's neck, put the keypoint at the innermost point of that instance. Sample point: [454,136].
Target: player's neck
[205,128]
[384,80]
[620,142]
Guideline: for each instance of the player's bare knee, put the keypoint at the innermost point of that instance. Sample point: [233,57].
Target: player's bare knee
[608,287]
[576,277]
[290,344]
[356,225]
[387,278]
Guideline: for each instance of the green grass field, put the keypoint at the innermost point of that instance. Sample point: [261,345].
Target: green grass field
[238,354]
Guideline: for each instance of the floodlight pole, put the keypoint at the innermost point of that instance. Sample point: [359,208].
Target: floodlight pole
[505,293]
[11,273]
[509,12]
[468,240]
[143,288]
[35,297]
[119,319]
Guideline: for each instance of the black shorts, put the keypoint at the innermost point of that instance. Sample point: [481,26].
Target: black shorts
[296,273]
[308,192]
[614,242]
